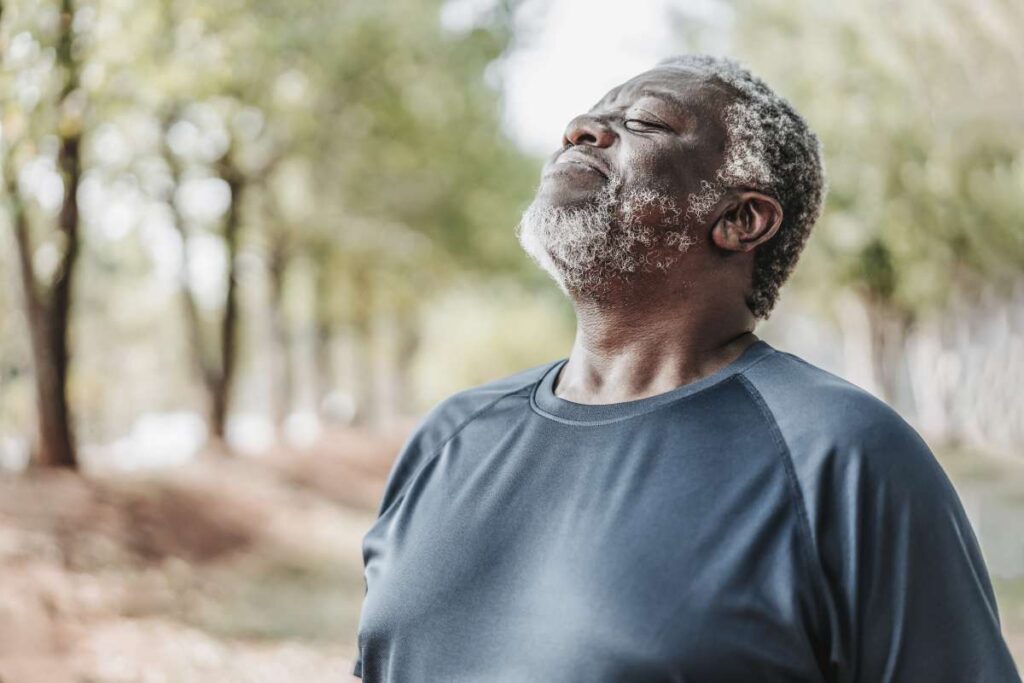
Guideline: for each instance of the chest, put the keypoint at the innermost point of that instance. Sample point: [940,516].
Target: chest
[536,561]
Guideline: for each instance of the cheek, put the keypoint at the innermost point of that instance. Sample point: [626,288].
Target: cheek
[647,168]
[675,170]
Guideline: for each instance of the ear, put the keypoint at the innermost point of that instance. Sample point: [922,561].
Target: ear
[749,219]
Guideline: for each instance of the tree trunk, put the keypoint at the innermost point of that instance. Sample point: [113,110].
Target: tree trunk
[200,350]
[284,378]
[409,338]
[362,336]
[888,328]
[49,315]
[59,308]
[221,394]
[55,446]
[323,331]
[193,321]
[323,358]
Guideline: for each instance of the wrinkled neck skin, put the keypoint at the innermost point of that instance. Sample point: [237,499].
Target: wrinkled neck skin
[651,335]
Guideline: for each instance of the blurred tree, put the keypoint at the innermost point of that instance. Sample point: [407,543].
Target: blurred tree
[232,97]
[918,107]
[354,146]
[414,178]
[47,305]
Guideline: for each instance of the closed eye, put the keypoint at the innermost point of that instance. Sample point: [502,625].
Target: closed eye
[642,125]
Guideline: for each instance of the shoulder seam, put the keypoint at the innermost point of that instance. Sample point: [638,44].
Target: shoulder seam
[771,353]
[783,447]
[810,547]
[428,459]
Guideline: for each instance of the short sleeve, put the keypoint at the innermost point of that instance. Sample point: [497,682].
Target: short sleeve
[357,666]
[429,433]
[912,596]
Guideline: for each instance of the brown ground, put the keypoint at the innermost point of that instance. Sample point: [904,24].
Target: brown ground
[223,570]
[243,570]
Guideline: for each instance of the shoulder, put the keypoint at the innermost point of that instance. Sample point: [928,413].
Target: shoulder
[450,414]
[833,428]
[447,418]
[887,533]
[473,398]
[810,403]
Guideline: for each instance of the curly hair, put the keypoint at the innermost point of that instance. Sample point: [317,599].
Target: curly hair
[771,149]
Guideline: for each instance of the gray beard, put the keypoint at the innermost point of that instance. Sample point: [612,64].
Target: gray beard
[606,240]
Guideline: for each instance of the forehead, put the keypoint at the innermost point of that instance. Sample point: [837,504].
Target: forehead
[681,88]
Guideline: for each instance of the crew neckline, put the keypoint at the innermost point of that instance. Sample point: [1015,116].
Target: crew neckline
[545,402]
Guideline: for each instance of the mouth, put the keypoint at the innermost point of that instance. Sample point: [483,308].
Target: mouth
[580,159]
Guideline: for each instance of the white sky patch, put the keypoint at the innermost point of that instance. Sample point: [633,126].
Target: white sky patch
[459,16]
[111,209]
[207,270]
[119,218]
[571,52]
[161,241]
[39,180]
[45,260]
[110,147]
[203,200]
[200,136]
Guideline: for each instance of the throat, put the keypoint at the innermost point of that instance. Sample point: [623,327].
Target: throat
[641,370]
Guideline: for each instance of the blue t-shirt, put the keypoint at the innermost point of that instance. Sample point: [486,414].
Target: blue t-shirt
[768,522]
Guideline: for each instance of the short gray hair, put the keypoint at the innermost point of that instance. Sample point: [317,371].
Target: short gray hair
[771,149]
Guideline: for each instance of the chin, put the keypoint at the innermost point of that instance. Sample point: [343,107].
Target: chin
[595,244]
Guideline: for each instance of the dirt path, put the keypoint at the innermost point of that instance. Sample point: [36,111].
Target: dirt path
[241,570]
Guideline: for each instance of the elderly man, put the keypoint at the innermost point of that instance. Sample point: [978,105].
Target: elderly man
[677,500]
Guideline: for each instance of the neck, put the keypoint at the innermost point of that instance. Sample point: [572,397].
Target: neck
[625,351]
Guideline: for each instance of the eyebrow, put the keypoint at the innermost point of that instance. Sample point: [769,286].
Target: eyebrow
[665,95]
[668,96]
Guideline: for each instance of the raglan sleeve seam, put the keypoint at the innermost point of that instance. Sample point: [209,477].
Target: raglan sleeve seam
[455,432]
[358,663]
[810,549]
[794,481]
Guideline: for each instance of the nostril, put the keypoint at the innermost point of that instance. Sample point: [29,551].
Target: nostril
[588,130]
[580,131]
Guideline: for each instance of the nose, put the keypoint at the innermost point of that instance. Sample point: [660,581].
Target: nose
[586,129]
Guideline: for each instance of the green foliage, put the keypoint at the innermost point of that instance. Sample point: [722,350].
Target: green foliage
[407,131]
[367,136]
[482,330]
[918,107]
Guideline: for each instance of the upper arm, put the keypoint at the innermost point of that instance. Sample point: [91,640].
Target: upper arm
[426,438]
[429,434]
[899,574]
[913,597]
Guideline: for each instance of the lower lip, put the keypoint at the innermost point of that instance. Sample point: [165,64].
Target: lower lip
[572,167]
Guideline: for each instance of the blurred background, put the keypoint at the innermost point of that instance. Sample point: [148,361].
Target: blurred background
[245,244]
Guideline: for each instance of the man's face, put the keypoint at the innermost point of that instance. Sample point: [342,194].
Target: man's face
[624,195]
